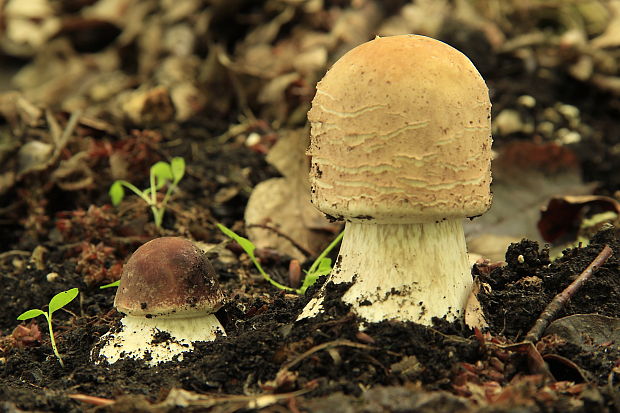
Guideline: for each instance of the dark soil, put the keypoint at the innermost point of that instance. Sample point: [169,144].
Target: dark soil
[328,355]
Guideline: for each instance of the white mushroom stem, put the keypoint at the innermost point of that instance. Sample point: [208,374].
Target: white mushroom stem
[405,272]
[136,337]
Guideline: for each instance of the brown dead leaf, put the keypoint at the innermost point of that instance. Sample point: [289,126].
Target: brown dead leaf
[526,175]
[283,204]
[561,218]
[587,331]
[26,335]
[74,174]
[474,316]
[280,204]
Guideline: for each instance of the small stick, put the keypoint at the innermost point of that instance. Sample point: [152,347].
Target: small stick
[560,300]
[300,247]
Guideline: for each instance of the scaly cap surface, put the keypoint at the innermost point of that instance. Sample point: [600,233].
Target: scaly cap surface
[401,133]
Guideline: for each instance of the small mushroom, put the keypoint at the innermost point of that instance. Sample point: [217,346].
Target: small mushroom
[168,294]
[401,150]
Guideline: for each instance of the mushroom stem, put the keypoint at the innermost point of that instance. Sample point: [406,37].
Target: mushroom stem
[405,272]
[138,336]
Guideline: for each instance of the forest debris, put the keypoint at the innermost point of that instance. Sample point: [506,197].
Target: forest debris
[569,364]
[525,176]
[38,257]
[93,400]
[180,398]
[559,301]
[563,216]
[26,335]
[147,105]
[284,203]
[74,174]
[587,330]
[33,155]
[29,25]
[408,367]
[611,36]
[474,315]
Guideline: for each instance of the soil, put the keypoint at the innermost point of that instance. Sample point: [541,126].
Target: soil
[53,239]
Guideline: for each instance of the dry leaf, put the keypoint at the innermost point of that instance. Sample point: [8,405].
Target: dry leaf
[561,218]
[474,316]
[587,330]
[525,176]
[283,204]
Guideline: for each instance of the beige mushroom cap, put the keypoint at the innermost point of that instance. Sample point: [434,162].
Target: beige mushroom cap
[401,133]
[168,276]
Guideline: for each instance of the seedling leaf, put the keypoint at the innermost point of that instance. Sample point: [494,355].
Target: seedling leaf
[321,266]
[162,173]
[114,284]
[62,299]
[325,266]
[117,193]
[58,301]
[27,315]
[177,167]
[249,248]
[245,243]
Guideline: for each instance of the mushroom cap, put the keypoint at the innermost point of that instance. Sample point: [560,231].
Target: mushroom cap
[168,276]
[401,133]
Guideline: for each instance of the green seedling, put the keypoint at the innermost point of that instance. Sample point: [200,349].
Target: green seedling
[161,174]
[321,266]
[112,284]
[57,302]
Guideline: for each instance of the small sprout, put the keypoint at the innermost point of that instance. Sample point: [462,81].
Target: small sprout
[57,302]
[321,266]
[112,284]
[161,173]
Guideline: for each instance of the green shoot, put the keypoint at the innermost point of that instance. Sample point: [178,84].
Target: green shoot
[161,173]
[321,266]
[57,302]
[112,284]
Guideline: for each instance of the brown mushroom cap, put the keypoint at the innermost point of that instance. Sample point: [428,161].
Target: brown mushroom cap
[168,276]
[401,133]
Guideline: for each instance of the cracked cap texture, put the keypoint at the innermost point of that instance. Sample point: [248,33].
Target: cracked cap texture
[401,133]
[168,276]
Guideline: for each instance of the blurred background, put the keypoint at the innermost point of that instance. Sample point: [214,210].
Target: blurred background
[96,90]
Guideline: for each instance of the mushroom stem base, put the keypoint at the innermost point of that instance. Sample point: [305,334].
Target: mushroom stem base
[140,338]
[405,272]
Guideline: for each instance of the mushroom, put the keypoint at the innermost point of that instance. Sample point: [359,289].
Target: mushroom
[401,150]
[168,294]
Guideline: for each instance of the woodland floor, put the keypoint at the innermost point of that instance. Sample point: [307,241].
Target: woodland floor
[59,231]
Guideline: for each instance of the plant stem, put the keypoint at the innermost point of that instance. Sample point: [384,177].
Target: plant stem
[52,339]
[158,215]
[326,251]
[268,277]
[136,191]
[171,188]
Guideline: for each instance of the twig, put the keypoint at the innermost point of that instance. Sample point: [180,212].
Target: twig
[279,233]
[324,346]
[93,400]
[15,252]
[560,300]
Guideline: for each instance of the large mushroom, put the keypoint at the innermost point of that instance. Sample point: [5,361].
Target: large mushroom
[168,293]
[401,150]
